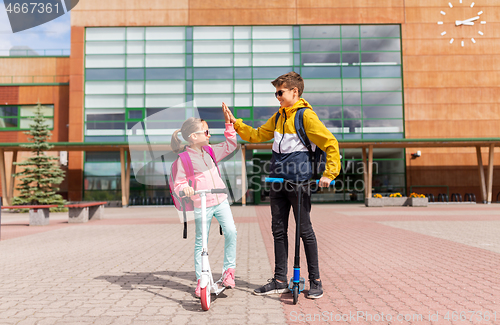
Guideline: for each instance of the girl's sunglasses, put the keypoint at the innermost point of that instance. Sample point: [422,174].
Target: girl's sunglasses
[207,132]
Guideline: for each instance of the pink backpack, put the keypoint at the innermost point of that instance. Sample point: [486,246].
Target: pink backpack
[186,204]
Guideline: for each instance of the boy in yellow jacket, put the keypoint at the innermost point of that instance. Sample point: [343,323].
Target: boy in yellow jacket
[291,161]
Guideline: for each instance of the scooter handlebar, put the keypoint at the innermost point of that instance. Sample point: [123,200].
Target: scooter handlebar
[213,191]
[281,180]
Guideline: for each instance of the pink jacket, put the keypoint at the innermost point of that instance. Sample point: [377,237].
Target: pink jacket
[206,173]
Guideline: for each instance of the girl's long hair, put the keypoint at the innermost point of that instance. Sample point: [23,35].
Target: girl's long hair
[189,126]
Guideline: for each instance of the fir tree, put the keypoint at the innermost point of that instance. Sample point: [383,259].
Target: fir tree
[41,173]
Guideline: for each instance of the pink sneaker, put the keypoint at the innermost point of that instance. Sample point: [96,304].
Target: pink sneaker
[228,276]
[197,291]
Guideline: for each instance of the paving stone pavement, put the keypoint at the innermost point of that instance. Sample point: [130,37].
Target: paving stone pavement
[416,265]
[128,274]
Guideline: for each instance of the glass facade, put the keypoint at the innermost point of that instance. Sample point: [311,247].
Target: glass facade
[15,117]
[352,73]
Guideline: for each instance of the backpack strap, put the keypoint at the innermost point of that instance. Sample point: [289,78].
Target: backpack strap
[277,118]
[212,154]
[188,168]
[301,132]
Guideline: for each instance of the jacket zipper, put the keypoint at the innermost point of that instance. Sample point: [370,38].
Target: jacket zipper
[279,145]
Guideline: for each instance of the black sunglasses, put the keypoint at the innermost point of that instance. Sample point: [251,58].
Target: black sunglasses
[280,92]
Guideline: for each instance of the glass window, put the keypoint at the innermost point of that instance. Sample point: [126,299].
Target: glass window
[213,46]
[243,86]
[321,59]
[8,110]
[323,98]
[384,44]
[320,31]
[135,87]
[243,100]
[388,58]
[104,101]
[263,86]
[381,72]
[26,123]
[135,114]
[135,101]
[242,47]
[212,33]
[320,72]
[350,45]
[242,60]
[104,87]
[105,61]
[105,74]
[383,111]
[135,33]
[320,45]
[385,84]
[165,87]
[213,73]
[272,32]
[350,31]
[352,112]
[350,58]
[322,85]
[213,60]
[47,110]
[165,60]
[135,47]
[105,117]
[105,48]
[165,74]
[135,61]
[165,47]
[242,32]
[266,60]
[213,86]
[165,33]
[272,46]
[385,98]
[210,100]
[270,72]
[380,31]
[260,113]
[164,101]
[8,123]
[105,34]
[351,85]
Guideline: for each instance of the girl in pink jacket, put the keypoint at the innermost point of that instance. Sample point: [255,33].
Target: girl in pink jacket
[196,132]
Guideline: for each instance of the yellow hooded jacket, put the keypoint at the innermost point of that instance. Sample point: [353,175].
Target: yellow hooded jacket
[289,154]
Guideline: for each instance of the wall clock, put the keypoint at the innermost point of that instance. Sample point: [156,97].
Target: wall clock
[462,22]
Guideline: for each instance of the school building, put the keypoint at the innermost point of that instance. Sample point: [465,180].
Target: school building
[415,82]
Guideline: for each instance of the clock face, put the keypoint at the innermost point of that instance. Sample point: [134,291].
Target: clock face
[462,22]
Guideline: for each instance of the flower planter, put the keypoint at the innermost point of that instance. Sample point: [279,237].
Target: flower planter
[374,202]
[395,201]
[419,201]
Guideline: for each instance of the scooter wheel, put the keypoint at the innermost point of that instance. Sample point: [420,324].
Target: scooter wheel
[295,294]
[205,298]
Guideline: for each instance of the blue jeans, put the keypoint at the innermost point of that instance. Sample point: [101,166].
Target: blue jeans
[222,213]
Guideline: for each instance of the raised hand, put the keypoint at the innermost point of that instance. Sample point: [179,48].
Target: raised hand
[228,115]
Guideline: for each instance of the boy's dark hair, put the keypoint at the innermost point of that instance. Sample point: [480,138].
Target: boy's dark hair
[290,80]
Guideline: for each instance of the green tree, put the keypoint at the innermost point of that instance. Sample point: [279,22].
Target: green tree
[41,174]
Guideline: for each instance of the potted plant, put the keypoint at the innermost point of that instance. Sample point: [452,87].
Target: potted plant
[418,200]
[395,200]
[376,201]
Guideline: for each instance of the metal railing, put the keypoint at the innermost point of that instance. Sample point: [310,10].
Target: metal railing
[16,80]
[34,52]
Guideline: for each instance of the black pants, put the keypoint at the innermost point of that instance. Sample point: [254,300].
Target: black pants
[283,196]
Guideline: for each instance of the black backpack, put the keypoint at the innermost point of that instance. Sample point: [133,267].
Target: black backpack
[318,156]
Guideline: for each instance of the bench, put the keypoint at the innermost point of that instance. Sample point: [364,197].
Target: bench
[39,214]
[83,212]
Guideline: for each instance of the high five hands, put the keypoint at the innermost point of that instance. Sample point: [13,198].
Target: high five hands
[228,115]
